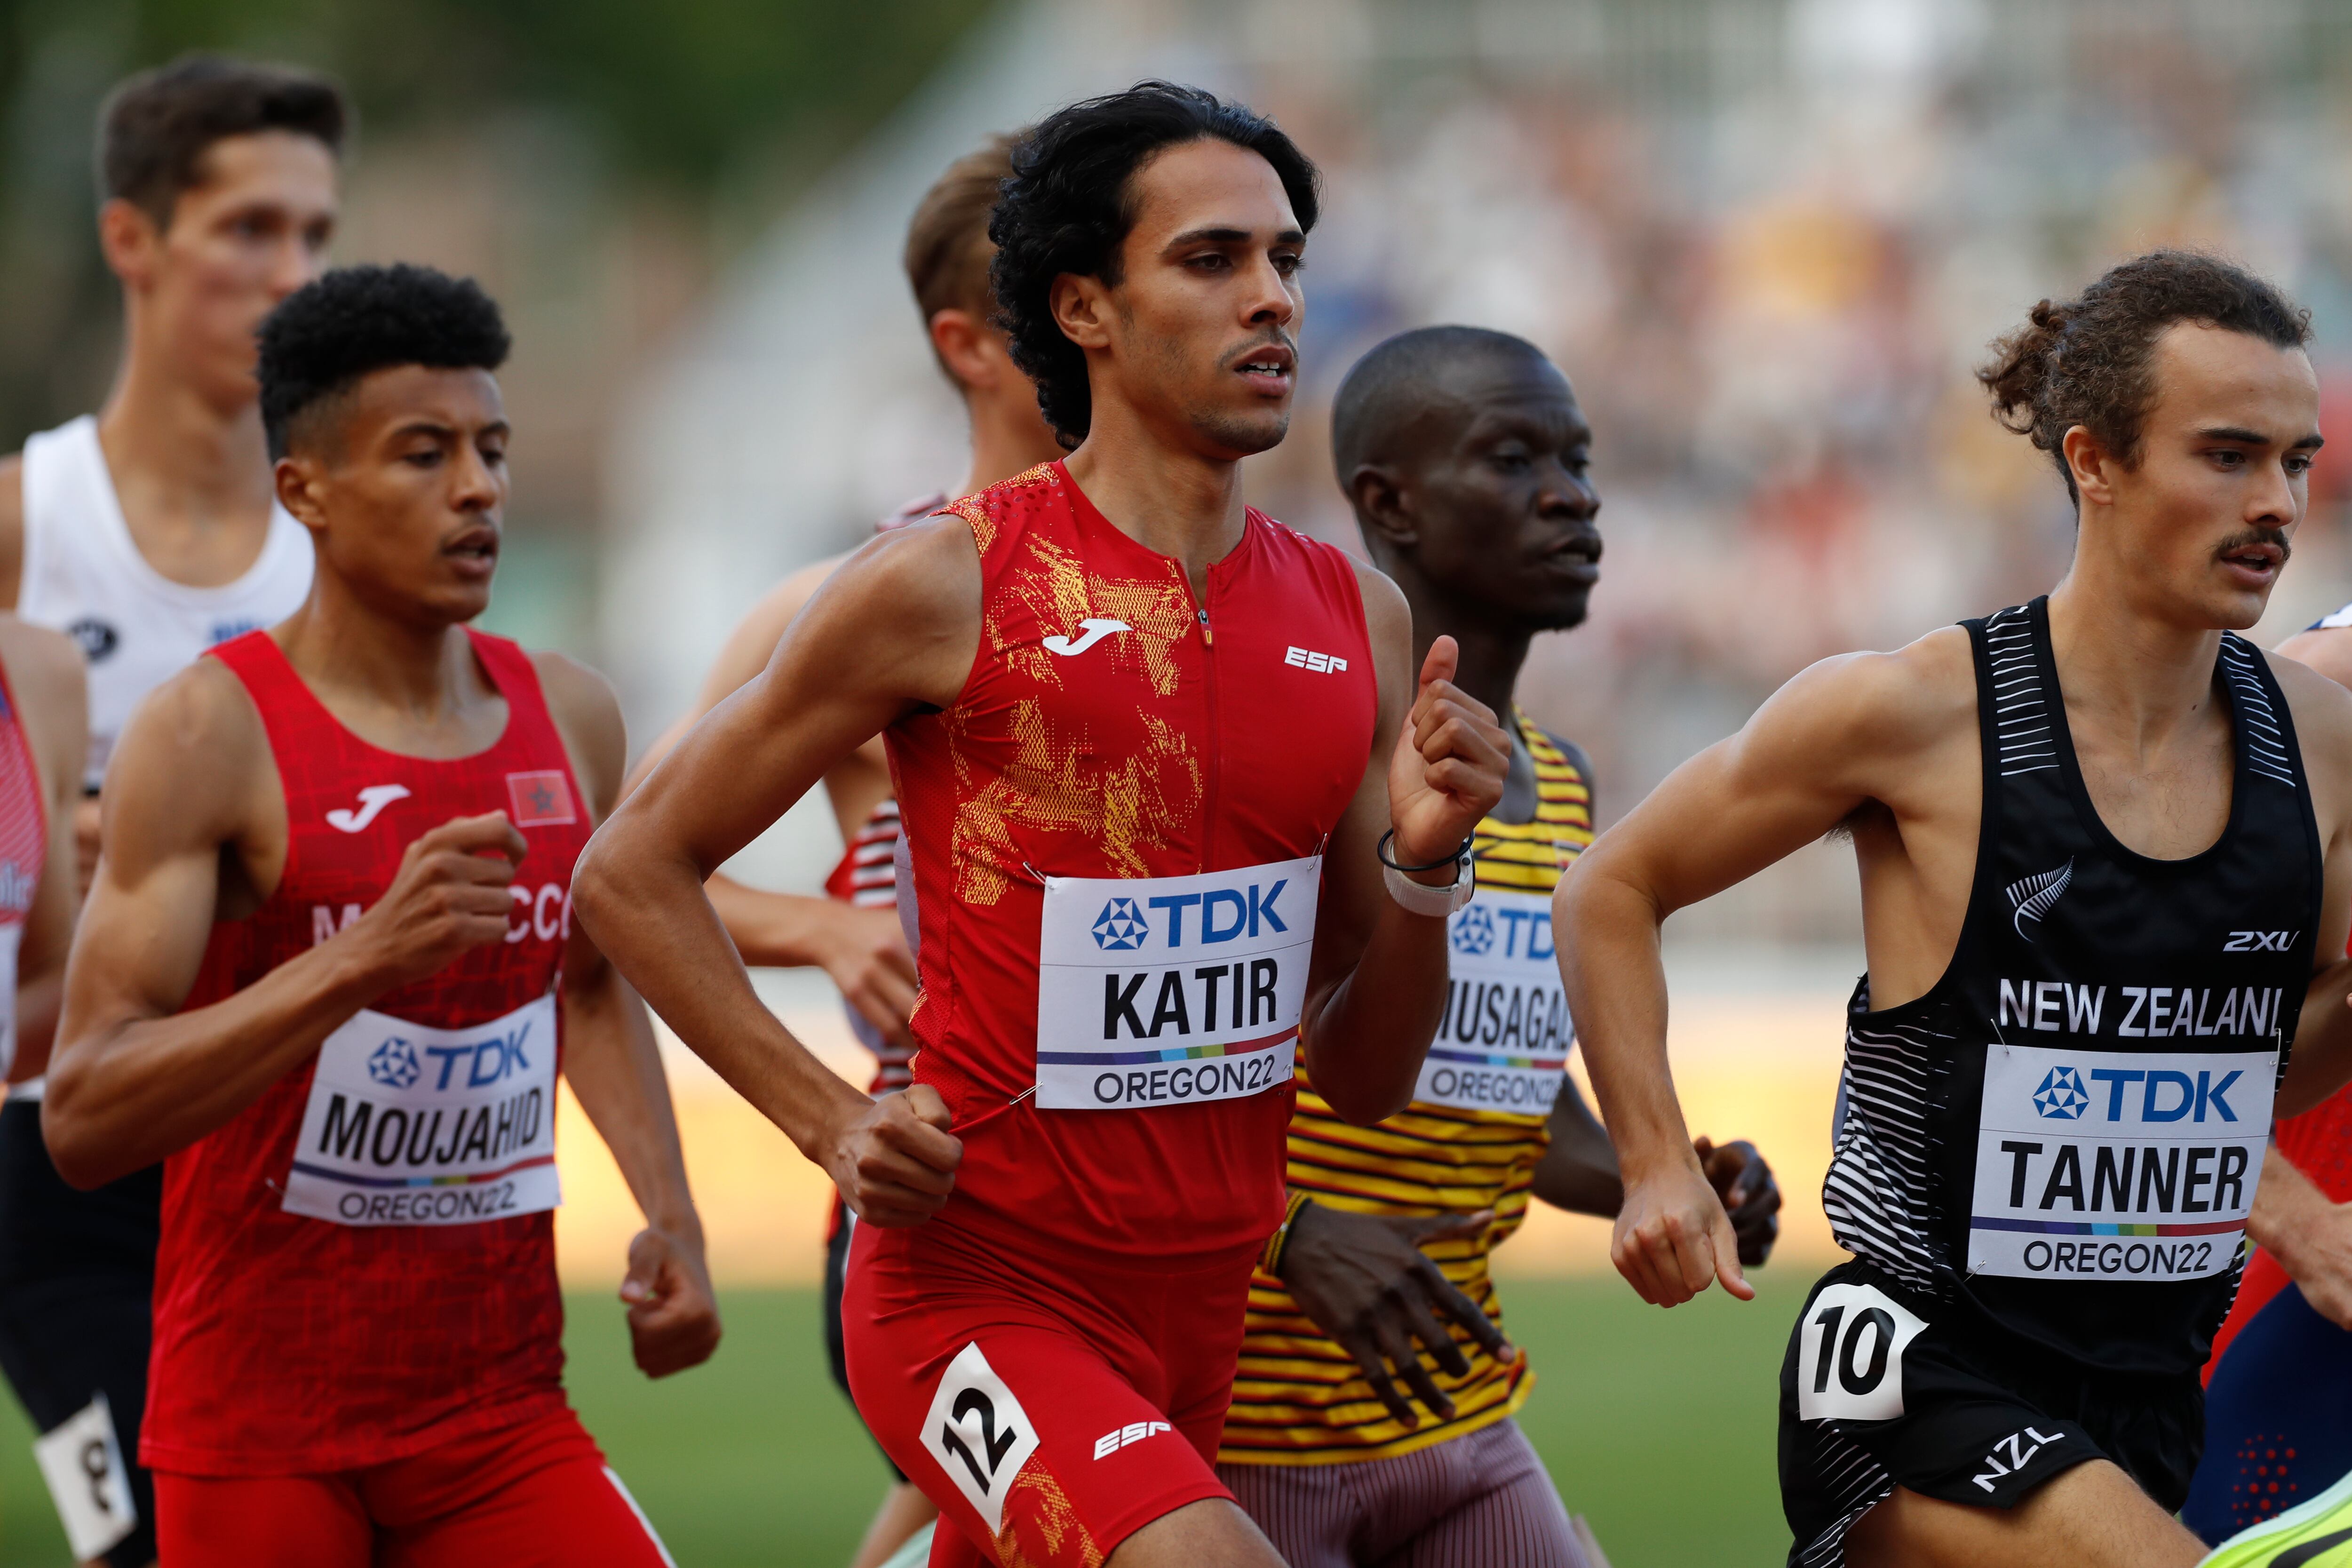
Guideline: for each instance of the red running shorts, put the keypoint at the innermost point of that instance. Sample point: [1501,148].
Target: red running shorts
[1050,1408]
[537,1495]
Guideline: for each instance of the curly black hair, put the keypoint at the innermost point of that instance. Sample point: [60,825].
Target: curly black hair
[327,334]
[2088,361]
[1071,201]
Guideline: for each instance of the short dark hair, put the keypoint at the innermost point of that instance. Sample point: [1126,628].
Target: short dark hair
[1392,384]
[1071,203]
[947,252]
[157,126]
[2088,361]
[355,321]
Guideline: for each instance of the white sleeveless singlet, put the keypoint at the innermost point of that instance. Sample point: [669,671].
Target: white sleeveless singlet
[83,575]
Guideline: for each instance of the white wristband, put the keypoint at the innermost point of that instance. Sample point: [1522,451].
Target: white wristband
[1420,899]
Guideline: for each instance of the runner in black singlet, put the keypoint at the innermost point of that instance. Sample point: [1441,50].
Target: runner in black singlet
[2106,848]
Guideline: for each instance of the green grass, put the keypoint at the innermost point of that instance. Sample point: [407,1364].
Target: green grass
[1658,1426]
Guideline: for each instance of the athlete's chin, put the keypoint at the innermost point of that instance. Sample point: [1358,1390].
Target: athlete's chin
[2236,604]
[1243,434]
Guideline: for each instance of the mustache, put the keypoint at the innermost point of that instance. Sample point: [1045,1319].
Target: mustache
[2274,537]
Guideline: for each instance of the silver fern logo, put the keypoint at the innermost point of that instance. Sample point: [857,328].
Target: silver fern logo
[2033,897]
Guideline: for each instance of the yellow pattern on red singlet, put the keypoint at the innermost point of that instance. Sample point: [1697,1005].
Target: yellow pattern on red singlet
[1298,1398]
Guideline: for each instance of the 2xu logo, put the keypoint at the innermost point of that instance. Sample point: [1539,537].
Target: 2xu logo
[1850,1354]
[978,1433]
[2261,942]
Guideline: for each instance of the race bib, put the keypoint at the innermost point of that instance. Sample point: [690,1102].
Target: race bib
[2103,1165]
[81,1460]
[1850,1354]
[979,1434]
[1173,990]
[1505,1042]
[413,1125]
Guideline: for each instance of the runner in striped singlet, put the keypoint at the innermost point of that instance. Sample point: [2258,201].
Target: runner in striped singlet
[2278,1400]
[2104,845]
[869,953]
[1464,452]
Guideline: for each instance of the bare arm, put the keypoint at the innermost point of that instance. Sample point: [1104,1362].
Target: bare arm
[1824,746]
[193,789]
[863,951]
[53,700]
[12,537]
[2312,1238]
[613,1064]
[1376,991]
[911,602]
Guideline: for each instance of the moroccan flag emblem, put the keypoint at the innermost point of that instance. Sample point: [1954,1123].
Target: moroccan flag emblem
[540,800]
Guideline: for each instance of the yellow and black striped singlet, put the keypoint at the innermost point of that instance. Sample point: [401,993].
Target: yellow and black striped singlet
[1298,1397]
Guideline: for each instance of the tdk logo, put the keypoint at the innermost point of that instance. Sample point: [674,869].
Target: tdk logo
[2163,1094]
[1120,927]
[2062,1095]
[394,1063]
[1221,914]
[1474,933]
[1483,930]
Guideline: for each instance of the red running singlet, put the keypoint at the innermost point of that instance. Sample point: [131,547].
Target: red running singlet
[23,848]
[1174,768]
[326,1296]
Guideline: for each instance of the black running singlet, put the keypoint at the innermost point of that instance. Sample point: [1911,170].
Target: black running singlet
[2063,1136]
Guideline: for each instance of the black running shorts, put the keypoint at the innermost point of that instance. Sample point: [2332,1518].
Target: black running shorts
[1876,1394]
[76,1279]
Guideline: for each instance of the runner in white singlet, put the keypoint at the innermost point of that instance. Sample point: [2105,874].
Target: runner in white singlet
[148,533]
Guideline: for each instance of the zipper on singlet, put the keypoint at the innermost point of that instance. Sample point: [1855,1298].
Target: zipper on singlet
[1209,665]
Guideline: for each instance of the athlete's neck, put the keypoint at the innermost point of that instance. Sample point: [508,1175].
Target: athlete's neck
[1005,440]
[194,478]
[409,686]
[1176,502]
[2143,679]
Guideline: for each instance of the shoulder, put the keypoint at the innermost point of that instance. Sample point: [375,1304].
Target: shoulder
[1001,509]
[2324,648]
[2321,707]
[198,726]
[41,663]
[52,688]
[1385,610]
[1918,696]
[587,714]
[936,564]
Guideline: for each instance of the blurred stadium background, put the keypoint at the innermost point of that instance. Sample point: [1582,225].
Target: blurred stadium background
[1767,238]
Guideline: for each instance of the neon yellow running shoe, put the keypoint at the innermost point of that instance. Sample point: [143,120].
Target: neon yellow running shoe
[2316,1534]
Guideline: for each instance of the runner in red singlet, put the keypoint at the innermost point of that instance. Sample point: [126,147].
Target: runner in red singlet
[1148,744]
[861,947]
[325,973]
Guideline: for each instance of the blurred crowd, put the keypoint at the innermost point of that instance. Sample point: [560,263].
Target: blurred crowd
[1772,303]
